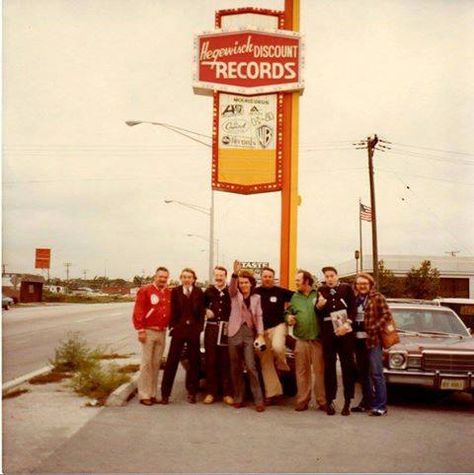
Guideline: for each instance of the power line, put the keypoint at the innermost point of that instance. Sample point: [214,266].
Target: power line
[429,148]
[387,170]
[431,157]
[437,219]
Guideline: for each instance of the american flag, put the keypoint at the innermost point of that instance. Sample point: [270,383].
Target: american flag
[365,212]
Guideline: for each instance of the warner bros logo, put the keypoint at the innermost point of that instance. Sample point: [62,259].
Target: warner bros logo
[232,109]
[264,135]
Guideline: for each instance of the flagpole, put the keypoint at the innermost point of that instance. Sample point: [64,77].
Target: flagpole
[360,240]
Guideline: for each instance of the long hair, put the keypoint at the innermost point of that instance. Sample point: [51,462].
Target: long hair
[245,274]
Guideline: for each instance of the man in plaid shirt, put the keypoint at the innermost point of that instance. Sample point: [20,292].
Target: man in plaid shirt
[376,315]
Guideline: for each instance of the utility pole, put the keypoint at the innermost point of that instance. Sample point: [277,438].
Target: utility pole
[67,265]
[371,143]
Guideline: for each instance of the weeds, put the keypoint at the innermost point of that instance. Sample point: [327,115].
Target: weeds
[73,355]
[97,382]
[91,378]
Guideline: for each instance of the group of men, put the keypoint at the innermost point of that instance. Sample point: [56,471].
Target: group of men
[187,310]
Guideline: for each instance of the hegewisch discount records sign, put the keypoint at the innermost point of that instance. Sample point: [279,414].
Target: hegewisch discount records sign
[247,70]
[248,62]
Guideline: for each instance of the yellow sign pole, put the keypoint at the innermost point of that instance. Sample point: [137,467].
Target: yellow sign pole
[289,195]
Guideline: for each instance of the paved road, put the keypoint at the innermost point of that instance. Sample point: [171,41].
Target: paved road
[30,334]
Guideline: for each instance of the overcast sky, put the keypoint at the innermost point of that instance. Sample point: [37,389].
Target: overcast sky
[78,180]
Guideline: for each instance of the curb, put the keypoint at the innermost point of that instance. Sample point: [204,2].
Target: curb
[120,396]
[23,379]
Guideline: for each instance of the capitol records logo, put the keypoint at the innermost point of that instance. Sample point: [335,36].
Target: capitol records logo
[235,126]
[264,135]
[232,110]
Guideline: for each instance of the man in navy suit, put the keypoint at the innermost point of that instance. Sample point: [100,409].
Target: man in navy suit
[187,319]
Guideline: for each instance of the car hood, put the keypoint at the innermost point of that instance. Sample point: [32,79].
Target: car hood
[434,342]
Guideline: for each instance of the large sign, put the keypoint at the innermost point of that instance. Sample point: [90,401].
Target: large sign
[248,61]
[247,146]
[42,258]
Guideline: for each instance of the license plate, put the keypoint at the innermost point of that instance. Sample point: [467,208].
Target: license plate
[452,384]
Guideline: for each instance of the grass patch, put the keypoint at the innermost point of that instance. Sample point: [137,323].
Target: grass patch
[15,393]
[68,298]
[90,377]
[130,368]
[52,377]
[97,382]
[74,354]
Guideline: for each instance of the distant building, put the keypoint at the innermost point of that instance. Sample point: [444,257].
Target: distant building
[23,287]
[456,272]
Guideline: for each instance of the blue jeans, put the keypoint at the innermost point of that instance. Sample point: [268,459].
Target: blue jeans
[376,376]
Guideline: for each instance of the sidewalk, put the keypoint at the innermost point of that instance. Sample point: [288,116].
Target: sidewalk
[182,437]
[35,424]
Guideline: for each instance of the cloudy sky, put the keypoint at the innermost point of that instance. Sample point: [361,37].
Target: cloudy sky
[78,180]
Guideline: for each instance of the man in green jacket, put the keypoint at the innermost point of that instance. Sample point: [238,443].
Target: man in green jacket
[308,350]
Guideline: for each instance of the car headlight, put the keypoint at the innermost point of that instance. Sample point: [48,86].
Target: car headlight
[397,360]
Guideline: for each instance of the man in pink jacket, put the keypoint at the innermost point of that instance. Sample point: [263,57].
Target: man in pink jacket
[245,323]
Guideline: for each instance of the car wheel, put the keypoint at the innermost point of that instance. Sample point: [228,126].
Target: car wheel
[6,307]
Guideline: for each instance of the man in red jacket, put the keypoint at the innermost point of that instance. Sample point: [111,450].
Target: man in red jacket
[151,315]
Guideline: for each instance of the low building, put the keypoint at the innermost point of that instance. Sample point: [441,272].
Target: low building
[31,288]
[456,272]
[23,287]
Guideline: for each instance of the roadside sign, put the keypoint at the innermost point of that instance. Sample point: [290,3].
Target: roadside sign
[42,258]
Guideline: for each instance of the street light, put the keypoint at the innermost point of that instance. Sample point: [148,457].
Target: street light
[173,128]
[198,208]
[210,211]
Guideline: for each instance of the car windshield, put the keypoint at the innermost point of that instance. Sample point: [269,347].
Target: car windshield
[428,321]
